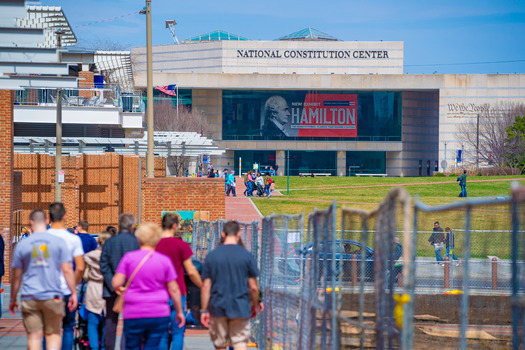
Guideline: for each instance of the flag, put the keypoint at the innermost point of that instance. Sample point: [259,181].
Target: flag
[168,89]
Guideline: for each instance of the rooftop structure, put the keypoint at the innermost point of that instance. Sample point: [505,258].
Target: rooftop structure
[166,144]
[217,35]
[115,66]
[309,34]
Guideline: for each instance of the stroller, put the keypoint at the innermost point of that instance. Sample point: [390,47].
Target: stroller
[81,341]
[260,190]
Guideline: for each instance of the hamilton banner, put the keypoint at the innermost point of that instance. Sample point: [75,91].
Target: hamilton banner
[318,115]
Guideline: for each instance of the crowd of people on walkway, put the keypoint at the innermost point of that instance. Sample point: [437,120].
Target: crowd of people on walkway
[66,276]
[254,181]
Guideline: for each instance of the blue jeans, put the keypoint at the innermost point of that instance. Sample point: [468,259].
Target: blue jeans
[267,189]
[438,254]
[95,328]
[463,190]
[145,333]
[176,336]
[447,254]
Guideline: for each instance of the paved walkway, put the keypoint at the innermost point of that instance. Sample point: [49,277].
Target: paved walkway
[241,208]
[13,335]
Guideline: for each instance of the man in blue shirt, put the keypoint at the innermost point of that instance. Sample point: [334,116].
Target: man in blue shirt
[229,295]
[88,242]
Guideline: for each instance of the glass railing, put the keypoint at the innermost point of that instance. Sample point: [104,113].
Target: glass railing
[108,97]
[283,138]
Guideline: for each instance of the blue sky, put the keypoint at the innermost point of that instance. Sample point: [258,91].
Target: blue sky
[436,33]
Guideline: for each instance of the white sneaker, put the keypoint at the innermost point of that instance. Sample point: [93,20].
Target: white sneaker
[459,263]
[442,264]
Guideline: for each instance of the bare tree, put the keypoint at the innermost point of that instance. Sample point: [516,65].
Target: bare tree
[493,124]
[168,119]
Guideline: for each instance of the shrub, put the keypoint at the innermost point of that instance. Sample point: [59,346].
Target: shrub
[439,175]
[453,175]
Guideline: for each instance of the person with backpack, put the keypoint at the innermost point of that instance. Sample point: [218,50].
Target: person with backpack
[463,184]
[450,243]
[231,184]
[94,303]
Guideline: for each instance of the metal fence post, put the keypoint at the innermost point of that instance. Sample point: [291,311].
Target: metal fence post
[446,272]
[494,274]
[466,288]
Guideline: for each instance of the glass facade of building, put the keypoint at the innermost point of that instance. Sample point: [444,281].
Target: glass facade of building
[365,162]
[311,115]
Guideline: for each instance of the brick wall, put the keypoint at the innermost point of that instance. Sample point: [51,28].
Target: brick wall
[6,171]
[97,188]
[182,194]
[86,80]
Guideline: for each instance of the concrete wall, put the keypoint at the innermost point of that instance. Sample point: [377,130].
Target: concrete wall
[275,57]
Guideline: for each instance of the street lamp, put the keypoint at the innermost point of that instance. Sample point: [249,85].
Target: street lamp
[477,142]
[58,149]
[150,161]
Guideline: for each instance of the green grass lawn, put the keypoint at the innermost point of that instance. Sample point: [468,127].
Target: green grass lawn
[306,194]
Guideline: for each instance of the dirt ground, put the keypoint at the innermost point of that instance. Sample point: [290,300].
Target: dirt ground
[485,311]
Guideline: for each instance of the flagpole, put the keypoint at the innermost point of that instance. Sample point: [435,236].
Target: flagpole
[177,92]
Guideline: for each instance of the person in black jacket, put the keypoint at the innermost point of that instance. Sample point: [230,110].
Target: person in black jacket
[437,239]
[112,251]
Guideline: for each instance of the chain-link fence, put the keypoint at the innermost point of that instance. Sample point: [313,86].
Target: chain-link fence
[394,277]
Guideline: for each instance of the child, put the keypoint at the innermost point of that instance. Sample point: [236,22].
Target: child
[450,244]
[272,188]
[94,303]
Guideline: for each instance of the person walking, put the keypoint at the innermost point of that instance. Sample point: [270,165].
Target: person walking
[231,184]
[57,217]
[95,304]
[224,175]
[112,251]
[147,279]
[179,252]
[230,295]
[88,242]
[267,182]
[40,262]
[397,263]
[450,243]
[437,239]
[463,184]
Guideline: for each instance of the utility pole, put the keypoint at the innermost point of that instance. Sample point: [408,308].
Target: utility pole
[58,149]
[150,161]
[288,172]
[477,142]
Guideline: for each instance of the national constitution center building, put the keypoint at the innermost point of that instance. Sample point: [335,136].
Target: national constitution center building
[338,107]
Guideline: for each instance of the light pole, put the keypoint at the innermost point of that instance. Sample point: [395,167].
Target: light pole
[58,149]
[477,142]
[288,172]
[150,162]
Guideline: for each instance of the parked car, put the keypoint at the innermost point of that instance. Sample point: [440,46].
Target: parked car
[346,249]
